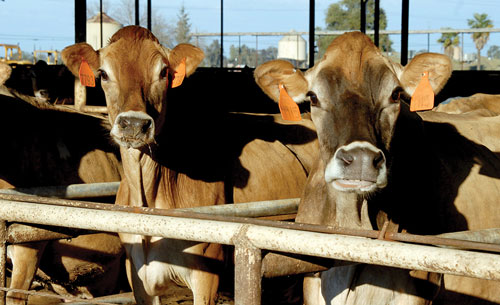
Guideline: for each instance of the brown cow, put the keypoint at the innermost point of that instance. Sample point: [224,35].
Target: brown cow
[425,173]
[487,104]
[177,155]
[46,148]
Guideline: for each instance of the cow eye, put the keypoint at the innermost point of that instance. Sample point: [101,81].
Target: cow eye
[313,98]
[103,75]
[396,94]
[163,72]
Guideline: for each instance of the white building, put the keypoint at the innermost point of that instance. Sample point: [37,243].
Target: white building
[293,47]
[109,27]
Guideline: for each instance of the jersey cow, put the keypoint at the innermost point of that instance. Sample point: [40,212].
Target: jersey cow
[46,148]
[485,104]
[425,173]
[176,155]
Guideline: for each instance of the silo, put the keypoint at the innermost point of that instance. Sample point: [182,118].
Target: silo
[109,27]
[292,47]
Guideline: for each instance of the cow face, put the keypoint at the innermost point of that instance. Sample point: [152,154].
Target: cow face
[135,72]
[355,95]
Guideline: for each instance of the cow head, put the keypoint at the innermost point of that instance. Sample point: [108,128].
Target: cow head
[355,95]
[135,72]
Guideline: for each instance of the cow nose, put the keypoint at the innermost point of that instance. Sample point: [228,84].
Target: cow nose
[359,162]
[43,93]
[133,129]
[345,157]
[135,124]
[378,160]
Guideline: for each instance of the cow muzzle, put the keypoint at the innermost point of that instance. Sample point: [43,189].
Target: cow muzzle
[357,167]
[133,129]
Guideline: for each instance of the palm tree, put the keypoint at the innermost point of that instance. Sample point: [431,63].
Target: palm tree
[480,21]
[449,41]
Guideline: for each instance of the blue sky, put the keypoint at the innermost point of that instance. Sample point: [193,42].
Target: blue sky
[48,24]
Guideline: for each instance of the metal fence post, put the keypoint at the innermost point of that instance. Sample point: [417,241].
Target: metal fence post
[247,271]
[3,258]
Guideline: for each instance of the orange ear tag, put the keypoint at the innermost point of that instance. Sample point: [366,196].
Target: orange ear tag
[423,97]
[289,109]
[86,75]
[179,74]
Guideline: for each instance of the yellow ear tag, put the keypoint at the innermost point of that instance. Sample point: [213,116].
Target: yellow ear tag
[423,97]
[86,75]
[289,109]
[179,74]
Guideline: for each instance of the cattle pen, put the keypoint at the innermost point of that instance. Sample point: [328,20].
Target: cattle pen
[236,225]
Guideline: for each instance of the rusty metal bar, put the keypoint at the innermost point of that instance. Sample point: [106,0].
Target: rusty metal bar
[419,239]
[250,209]
[72,191]
[3,258]
[363,250]
[21,233]
[247,270]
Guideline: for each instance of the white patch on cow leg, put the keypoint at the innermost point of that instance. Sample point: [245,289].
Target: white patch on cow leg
[312,290]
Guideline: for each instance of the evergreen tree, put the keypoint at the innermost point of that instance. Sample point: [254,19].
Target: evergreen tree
[183,29]
[212,55]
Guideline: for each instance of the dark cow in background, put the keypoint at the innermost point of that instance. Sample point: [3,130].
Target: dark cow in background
[424,173]
[40,84]
[46,148]
[178,152]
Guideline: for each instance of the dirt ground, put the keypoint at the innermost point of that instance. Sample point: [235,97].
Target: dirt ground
[274,293]
[280,291]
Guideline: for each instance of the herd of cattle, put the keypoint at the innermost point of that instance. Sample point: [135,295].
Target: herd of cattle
[360,159]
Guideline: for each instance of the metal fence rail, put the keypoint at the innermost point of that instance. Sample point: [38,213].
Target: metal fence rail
[250,239]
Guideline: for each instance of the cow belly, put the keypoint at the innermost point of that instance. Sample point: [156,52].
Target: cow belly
[267,171]
[361,284]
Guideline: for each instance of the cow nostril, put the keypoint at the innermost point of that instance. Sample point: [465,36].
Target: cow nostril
[345,157]
[378,160]
[146,126]
[123,122]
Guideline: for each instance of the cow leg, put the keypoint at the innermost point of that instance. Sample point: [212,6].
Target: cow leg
[205,284]
[25,259]
[140,295]
[312,290]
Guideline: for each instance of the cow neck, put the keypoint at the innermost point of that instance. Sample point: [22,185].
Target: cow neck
[322,204]
[143,175]
[409,194]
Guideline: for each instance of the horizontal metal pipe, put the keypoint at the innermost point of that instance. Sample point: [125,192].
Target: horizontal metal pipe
[364,250]
[20,233]
[72,191]
[190,213]
[250,209]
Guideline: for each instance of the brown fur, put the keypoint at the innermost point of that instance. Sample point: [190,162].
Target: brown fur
[57,148]
[194,159]
[436,162]
[486,104]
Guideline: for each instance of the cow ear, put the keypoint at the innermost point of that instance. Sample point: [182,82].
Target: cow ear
[192,55]
[273,73]
[72,57]
[438,65]
[5,71]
